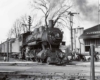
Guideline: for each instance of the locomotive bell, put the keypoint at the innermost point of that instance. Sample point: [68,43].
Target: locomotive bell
[51,24]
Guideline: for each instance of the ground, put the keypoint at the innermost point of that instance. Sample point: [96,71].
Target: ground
[74,69]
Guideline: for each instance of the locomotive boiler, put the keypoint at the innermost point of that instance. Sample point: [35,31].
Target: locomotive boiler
[43,44]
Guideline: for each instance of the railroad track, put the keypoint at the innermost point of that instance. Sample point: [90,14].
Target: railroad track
[43,76]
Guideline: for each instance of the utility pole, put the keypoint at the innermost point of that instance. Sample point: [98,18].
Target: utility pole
[92,67]
[7,49]
[71,27]
[29,22]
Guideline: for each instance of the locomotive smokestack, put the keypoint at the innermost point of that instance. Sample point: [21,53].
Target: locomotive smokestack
[51,24]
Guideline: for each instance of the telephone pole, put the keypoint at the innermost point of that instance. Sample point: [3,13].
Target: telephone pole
[71,27]
[92,70]
[29,22]
[7,49]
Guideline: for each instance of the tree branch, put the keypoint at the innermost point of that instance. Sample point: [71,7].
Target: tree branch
[66,10]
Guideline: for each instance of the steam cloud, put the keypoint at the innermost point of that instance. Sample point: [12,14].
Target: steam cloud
[89,12]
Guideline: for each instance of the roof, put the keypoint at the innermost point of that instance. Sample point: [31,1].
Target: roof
[93,32]
[12,39]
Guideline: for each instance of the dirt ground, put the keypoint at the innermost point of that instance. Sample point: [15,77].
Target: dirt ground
[74,68]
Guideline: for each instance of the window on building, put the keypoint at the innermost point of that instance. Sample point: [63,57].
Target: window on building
[95,41]
[87,48]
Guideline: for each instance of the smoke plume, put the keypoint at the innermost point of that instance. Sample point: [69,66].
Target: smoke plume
[89,12]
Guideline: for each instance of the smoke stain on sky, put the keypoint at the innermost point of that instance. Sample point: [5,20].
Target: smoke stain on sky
[89,11]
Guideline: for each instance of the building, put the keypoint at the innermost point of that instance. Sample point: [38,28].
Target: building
[91,36]
[76,41]
[83,38]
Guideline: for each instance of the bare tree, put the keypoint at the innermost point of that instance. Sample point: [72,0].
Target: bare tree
[10,33]
[56,10]
[16,29]
[20,26]
[25,22]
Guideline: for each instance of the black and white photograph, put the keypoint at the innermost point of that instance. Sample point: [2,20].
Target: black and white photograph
[49,39]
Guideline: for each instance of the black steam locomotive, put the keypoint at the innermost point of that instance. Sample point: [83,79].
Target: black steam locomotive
[43,44]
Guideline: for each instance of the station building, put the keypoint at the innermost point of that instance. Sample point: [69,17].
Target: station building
[83,38]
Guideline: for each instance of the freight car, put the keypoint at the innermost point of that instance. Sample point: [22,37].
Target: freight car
[6,47]
[43,45]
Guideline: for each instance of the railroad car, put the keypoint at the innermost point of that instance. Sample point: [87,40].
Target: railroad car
[6,47]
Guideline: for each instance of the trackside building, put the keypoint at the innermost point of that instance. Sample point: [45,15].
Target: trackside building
[87,37]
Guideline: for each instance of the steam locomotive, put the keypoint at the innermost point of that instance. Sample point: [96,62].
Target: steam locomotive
[43,44]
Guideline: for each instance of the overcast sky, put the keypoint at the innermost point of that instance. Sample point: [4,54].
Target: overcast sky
[10,10]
